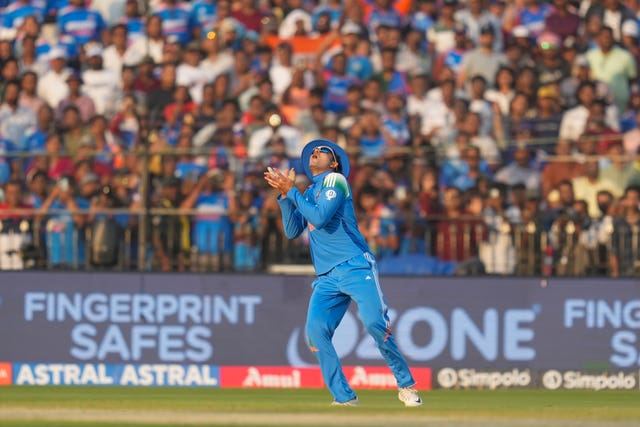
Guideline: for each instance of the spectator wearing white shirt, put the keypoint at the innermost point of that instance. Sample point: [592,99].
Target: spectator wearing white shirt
[503,93]
[296,23]
[587,186]
[411,54]
[52,87]
[28,96]
[217,60]
[15,121]
[438,119]
[520,171]
[281,71]
[417,102]
[114,55]
[441,35]
[190,74]
[100,84]
[488,147]
[574,120]
[111,10]
[151,44]
[274,128]
[478,104]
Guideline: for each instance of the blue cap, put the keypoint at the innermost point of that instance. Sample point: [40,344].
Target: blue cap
[343,159]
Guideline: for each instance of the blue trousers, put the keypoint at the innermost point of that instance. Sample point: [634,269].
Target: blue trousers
[357,280]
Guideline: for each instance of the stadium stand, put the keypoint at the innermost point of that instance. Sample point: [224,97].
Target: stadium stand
[486,136]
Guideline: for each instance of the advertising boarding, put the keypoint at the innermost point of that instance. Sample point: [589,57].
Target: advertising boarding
[189,330]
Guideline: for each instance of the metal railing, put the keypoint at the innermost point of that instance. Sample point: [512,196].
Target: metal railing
[181,242]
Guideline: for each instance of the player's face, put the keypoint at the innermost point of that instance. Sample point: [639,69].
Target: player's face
[322,158]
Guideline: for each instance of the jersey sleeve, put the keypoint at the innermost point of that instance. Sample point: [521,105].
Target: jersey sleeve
[292,220]
[338,182]
[333,192]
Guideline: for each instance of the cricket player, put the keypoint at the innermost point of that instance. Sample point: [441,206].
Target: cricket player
[345,268]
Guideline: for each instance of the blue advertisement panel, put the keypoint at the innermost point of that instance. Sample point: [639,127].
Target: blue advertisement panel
[166,375]
[96,319]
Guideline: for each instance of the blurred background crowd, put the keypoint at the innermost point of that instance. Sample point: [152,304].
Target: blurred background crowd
[486,136]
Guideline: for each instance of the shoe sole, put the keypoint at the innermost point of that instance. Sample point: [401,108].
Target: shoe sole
[412,404]
[347,403]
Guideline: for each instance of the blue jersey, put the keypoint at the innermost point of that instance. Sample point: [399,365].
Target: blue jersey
[372,146]
[335,97]
[65,242]
[185,170]
[35,142]
[6,147]
[335,14]
[360,67]
[66,42]
[389,17]
[535,20]
[213,230]
[456,174]
[397,83]
[175,22]
[422,22]
[203,15]
[135,27]
[453,59]
[53,7]
[327,208]
[82,24]
[13,15]
[399,130]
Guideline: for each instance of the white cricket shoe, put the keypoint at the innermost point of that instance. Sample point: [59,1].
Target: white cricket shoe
[352,402]
[409,396]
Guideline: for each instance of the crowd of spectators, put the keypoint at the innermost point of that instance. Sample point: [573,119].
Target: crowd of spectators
[504,131]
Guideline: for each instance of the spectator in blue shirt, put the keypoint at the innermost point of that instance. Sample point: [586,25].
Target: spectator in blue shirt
[83,24]
[383,14]
[35,140]
[175,20]
[332,8]
[336,84]
[464,174]
[14,14]
[64,227]
[213,231]
[423,19]
[15,121]
[202,17]
[6,147]
[134,22]
[395,123]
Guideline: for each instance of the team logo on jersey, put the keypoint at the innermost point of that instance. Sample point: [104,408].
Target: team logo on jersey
[330,194]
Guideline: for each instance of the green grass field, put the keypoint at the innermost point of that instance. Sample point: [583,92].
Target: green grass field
[94,406]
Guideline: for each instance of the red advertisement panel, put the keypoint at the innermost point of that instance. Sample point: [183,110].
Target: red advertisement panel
[5,373]
[380,377]
[360,377]
[270,377]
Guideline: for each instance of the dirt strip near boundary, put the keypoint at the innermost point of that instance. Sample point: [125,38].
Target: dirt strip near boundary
[330,418]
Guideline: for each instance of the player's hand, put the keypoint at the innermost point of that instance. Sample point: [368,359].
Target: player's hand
[278,180]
